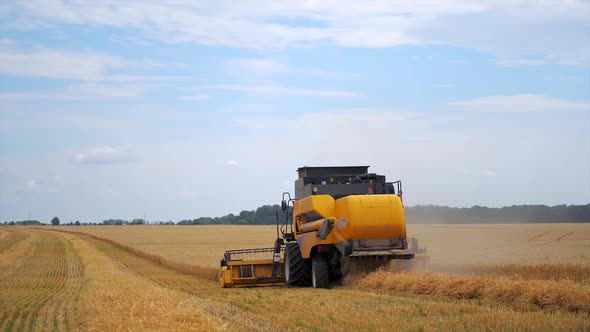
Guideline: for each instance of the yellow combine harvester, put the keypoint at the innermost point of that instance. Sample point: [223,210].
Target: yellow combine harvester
[340,216]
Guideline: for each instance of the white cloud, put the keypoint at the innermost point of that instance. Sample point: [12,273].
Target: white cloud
[105,155]
[489,173]
[279,90]
[63,120]
[266,67]
[85,91]
[549,31]
[520,103]
[340,120]
[56,64]
[102,91]
[148,78]
[194,97]
[31,184]
[232,163]
[260,66]
[85,65]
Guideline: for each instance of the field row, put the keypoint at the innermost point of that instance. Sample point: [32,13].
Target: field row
[40,290]
[10,237]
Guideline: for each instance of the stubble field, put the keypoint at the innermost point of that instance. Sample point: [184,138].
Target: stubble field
[515,277]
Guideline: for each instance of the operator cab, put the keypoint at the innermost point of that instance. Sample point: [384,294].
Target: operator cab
[341,181]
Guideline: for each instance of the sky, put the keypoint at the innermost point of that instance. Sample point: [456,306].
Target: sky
[182,109]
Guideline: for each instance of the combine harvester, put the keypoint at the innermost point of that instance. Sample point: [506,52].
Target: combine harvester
[341,218]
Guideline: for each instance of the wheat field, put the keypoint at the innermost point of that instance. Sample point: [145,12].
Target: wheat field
[481,277]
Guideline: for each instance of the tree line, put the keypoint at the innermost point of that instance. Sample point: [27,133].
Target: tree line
[264,215]
[429,214]
[420,214]
[432,214]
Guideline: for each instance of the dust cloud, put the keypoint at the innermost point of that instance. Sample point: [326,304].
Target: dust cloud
[468,248]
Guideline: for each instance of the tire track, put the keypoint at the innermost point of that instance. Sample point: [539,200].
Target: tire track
[536,236]
[40,292]
[563,236]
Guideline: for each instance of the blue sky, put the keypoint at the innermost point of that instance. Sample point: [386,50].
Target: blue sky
[181,109]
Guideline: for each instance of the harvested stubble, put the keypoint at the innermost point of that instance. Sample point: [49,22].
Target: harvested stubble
[565,294]
[199,271]
[117,300]
[9,238]
[39,292]
[18,243]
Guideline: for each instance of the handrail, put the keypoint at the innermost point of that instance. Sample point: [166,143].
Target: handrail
[229,253]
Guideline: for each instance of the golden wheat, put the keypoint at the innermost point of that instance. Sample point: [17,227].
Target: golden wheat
[565,294]
[557,272]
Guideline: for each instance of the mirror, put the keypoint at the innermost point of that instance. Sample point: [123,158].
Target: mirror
[284,206]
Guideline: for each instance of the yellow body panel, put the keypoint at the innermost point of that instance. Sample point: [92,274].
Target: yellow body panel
[320,206]
[370,217]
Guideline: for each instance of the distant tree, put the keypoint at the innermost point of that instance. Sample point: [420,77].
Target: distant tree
[115,222]
[11,223]
[55,221]
[137,222]
[77,223]
[30,222]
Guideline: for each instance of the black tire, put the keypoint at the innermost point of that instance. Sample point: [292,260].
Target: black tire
[320,276]
[296,269]
[335,274]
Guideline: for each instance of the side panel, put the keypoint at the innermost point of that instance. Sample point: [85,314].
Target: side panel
[309,240]
[314,207]
[249,273]
[225,277]
[306,243]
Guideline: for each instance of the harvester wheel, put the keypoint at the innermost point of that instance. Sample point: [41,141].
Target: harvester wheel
[296,270]
[320,277]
